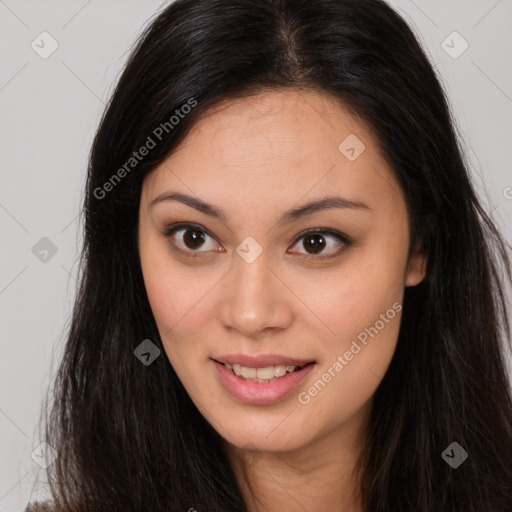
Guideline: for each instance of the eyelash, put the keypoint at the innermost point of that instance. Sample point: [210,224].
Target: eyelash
[346,242]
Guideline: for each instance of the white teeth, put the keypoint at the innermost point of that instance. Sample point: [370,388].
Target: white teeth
[279,371]
[248,373]
[265,374]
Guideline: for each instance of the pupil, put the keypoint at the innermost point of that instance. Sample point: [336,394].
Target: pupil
[195,240]
[310,243]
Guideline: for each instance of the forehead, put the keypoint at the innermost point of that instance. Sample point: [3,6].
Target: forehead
[278,147]
[282,124]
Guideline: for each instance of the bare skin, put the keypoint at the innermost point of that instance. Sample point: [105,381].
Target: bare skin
[254,159]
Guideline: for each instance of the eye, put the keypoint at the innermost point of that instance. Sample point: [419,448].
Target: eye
[192,238]
[316,241]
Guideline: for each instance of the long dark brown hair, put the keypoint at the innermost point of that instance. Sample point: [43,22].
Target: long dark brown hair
[128,436]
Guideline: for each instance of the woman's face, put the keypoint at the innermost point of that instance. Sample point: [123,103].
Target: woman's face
[300,259]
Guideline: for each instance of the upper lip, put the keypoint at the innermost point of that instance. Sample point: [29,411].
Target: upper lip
[261,361]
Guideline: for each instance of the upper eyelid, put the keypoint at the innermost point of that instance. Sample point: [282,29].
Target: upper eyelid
[179,226]
[171,230]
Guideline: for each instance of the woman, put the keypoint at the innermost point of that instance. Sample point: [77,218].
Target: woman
[290,295]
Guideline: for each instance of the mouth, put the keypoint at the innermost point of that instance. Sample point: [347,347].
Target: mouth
[263,374]
[263,380]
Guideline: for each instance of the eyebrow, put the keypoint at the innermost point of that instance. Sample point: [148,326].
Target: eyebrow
[317,205]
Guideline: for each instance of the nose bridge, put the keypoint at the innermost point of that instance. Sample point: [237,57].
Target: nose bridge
[255,299]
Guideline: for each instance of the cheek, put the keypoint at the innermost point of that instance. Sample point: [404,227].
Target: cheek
[177,301]
[367,285]
[174,291]
[170,295]
[354,361]
[362,310]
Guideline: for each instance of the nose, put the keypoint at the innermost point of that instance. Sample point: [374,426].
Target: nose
[254,299]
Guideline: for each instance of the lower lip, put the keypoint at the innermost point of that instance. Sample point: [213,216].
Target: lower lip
[261,393]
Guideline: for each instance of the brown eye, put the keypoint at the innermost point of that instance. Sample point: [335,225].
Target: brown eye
[193,239]
[189,238]
[316,243]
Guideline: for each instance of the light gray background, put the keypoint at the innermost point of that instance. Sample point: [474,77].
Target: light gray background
[49,111]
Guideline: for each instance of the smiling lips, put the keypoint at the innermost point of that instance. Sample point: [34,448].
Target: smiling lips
[261,369]
[266,374]
[261,380]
